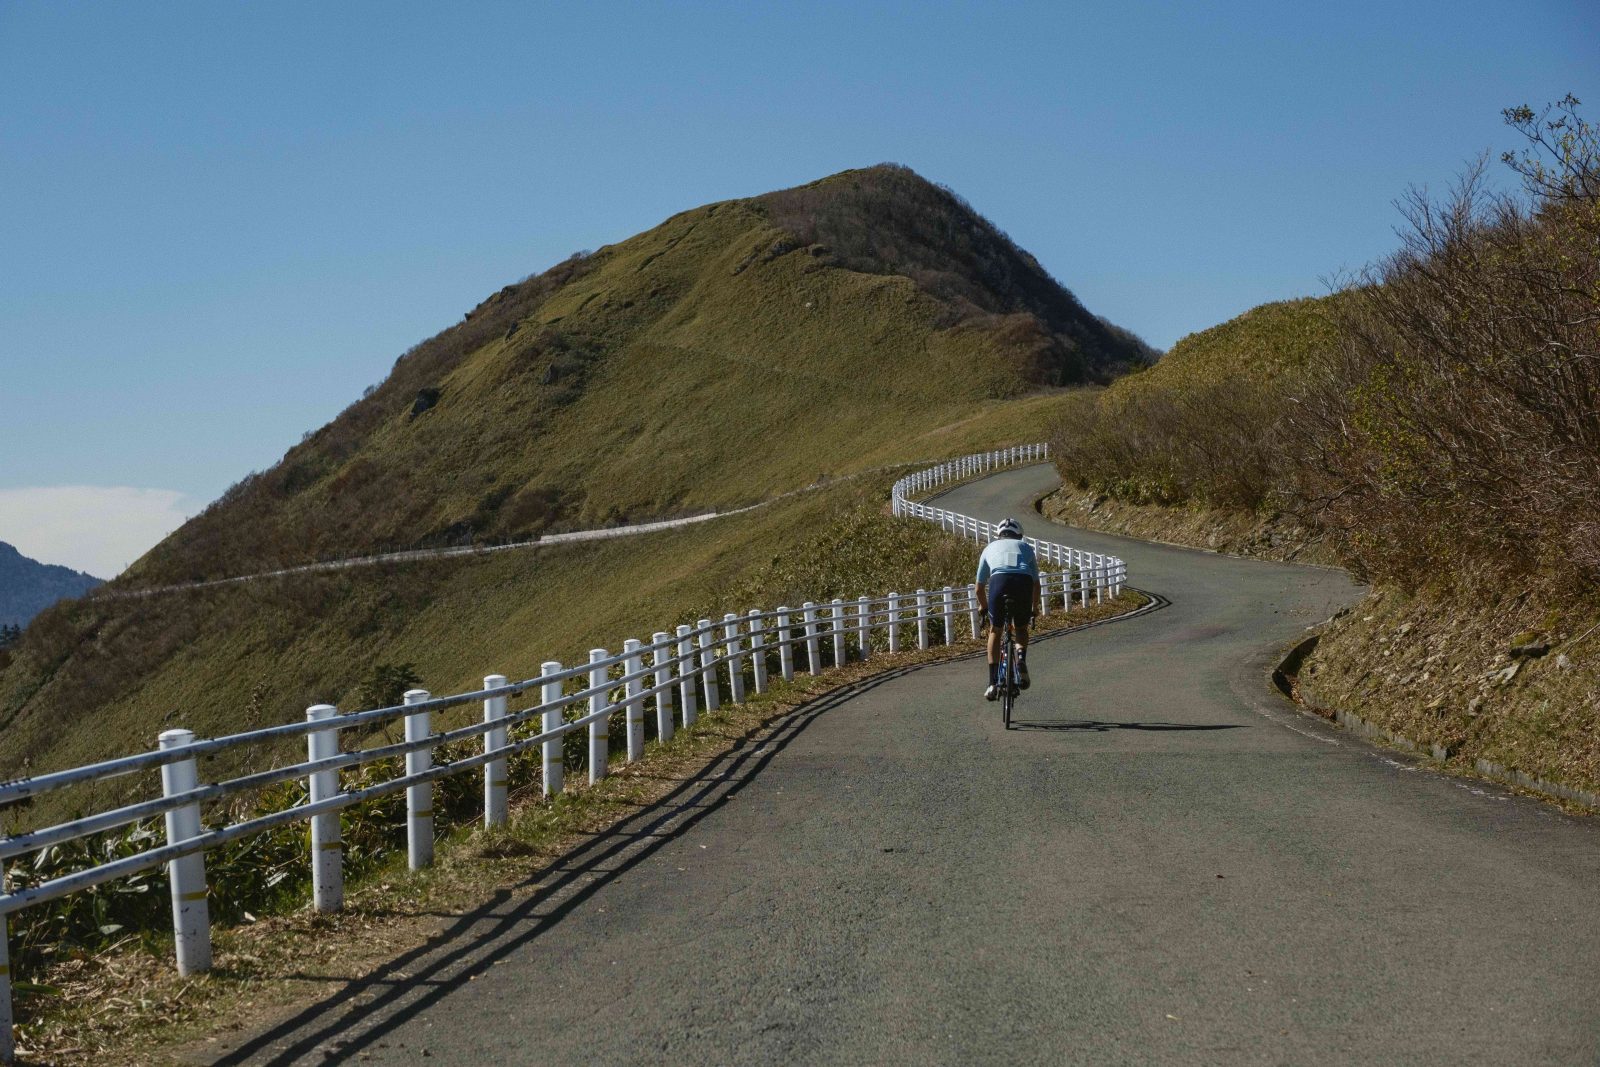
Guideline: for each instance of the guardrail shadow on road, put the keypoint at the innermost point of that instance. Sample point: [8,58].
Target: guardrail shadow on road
[374,1005]
[1100,727]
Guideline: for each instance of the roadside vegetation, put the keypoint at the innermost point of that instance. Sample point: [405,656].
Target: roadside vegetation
[1433,426]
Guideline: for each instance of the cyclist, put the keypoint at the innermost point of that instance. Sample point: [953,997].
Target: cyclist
[1008,573]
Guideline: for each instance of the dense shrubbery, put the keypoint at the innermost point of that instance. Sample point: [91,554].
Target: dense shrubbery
[1206,425]
[1457,423]
[1436,420]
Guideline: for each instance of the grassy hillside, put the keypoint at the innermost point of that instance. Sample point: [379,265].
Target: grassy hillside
[733,352]
[1265,344]
[103,677]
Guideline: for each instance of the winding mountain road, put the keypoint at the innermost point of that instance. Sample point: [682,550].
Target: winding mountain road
[1166,865]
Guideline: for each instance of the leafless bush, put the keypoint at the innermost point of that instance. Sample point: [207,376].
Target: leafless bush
[1217,443]
[1457,428]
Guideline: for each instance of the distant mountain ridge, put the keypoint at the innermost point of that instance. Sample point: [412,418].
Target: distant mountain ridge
[27,586]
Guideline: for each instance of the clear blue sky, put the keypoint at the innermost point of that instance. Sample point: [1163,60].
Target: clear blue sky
[219,222]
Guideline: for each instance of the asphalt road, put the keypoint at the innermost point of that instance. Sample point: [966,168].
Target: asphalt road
[1167,865]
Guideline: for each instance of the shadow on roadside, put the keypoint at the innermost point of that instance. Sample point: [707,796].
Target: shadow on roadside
[1100,727]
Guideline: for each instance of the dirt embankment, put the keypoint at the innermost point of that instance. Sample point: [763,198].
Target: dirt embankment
[1507,680]
[1234,533]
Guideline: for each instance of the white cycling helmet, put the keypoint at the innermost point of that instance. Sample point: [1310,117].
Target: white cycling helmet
[1008,528]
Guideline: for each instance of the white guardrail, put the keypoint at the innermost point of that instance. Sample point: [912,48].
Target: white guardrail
[677,673]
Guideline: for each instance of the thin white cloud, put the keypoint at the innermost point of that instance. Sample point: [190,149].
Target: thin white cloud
[93,528]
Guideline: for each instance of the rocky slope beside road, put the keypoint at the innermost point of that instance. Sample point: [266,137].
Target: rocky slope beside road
[1504,680]
[1233,533]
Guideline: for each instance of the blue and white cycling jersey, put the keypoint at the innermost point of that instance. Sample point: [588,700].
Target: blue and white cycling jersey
[1008,555]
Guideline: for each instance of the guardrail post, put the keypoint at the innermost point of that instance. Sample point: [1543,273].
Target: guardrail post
[555,763]
[1099,578]
[327,854]
[8,1045]
[863,625]
[191,916]
[1083,579]
[632,664]
[972,608]
[686,677]
[837,625]
[894,622]
[600,725]
[662,662]
[758,652]
[730,634]
[419,798]
[785,645]
[708,665]
[813,651]
[494,772]
[949,605]
[922,619]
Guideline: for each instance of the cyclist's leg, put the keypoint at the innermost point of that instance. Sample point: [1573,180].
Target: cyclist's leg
[1020,625]
[1024,617]
[996,621]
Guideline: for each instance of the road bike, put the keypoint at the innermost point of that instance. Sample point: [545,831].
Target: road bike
[1008,666]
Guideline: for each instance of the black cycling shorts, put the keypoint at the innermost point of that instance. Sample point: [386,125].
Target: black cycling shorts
[1016,590]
